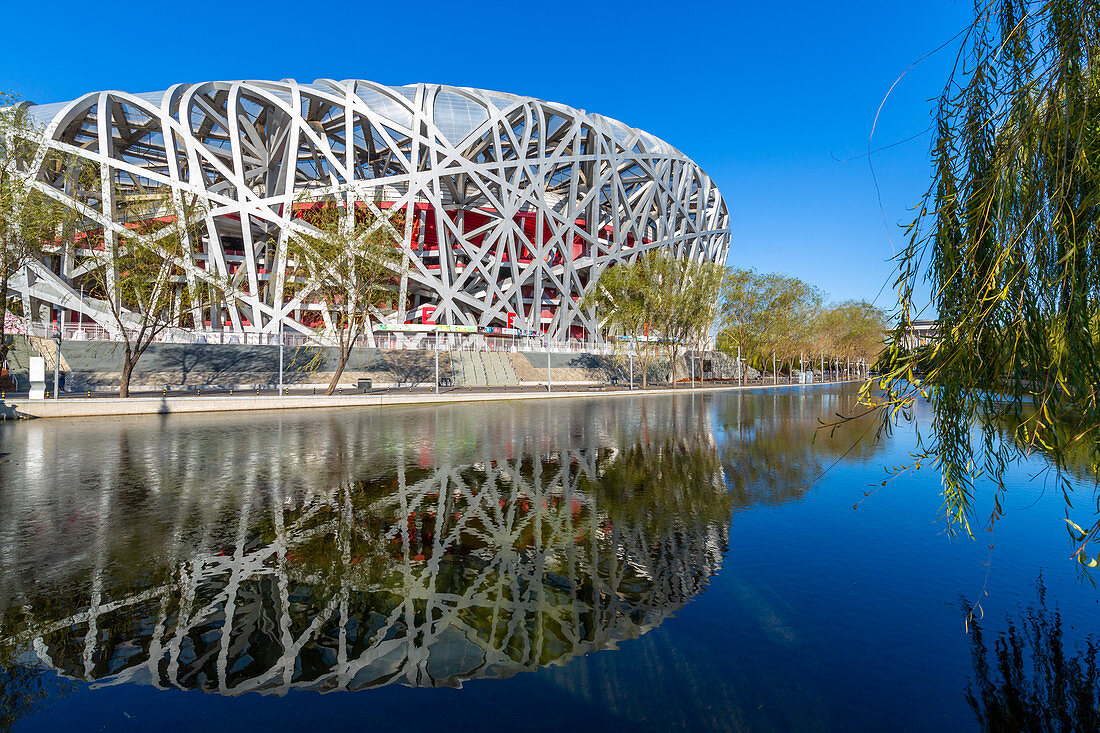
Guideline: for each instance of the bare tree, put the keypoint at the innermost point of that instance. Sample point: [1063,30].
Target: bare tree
[30,220]
[141,282]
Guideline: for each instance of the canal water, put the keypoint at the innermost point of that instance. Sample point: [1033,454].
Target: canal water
[693,562]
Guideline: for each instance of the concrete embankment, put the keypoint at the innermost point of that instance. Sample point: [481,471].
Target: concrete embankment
[95,366]
[104,407]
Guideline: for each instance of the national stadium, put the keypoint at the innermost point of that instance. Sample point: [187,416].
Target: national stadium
[511,206]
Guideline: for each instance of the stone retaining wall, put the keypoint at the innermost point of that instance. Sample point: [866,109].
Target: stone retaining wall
[96,366]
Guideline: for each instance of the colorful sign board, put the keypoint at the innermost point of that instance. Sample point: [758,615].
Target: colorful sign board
[422,328]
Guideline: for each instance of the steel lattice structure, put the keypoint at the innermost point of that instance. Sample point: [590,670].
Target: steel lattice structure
[512,206]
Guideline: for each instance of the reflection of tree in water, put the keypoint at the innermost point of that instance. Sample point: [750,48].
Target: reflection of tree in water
[1030,680]
[773,453]
[366,562]
[23,690]
[651,486]
[1079,459]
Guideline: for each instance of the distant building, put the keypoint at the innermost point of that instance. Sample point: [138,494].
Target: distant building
[920,333]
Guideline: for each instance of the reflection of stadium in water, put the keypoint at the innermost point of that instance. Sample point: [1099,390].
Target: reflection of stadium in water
[421,547]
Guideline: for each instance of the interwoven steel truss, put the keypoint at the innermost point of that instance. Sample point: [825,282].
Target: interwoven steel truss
[512,206]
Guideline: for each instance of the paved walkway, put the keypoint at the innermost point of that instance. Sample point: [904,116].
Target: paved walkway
[17,406]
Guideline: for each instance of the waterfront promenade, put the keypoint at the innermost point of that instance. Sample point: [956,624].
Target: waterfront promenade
[15,407]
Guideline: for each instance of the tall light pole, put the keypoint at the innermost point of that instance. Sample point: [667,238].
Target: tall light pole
[547,362]
[437,361]
[57,357]
[280,353]
[631,356]
[740,374]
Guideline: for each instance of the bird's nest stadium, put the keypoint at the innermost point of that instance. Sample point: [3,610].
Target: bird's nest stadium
[511,206]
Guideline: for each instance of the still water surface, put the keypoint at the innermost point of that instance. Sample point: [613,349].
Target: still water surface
[653,563]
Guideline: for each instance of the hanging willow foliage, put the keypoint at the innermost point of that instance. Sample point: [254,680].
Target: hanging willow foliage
[1008,236]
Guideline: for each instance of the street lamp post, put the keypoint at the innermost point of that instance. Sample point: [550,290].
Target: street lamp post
[548,362]
[57,357]
[437,362]
[280,354]
[631,357]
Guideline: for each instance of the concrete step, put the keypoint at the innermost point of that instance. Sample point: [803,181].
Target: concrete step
[482,369]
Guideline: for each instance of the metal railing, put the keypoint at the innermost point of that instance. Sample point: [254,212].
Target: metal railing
[394,341]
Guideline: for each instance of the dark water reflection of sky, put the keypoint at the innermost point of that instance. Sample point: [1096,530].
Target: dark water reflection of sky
[687,562]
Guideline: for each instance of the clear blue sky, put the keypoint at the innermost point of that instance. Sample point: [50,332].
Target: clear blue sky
[775,100]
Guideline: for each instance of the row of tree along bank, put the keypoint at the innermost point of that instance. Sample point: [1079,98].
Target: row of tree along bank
[659,304]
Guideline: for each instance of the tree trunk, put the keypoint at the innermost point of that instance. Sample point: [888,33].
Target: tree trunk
[345,354]
[128,362]
[3,315]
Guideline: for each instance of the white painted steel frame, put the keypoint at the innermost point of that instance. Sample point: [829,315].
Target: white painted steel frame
[598,192]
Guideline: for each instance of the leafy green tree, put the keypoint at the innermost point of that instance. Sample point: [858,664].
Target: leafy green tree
[627,305]
[658,299]
[767,313]
[687,294]
[1008,235]
[351,260]
[794,319]
[744,309]
[854,328]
